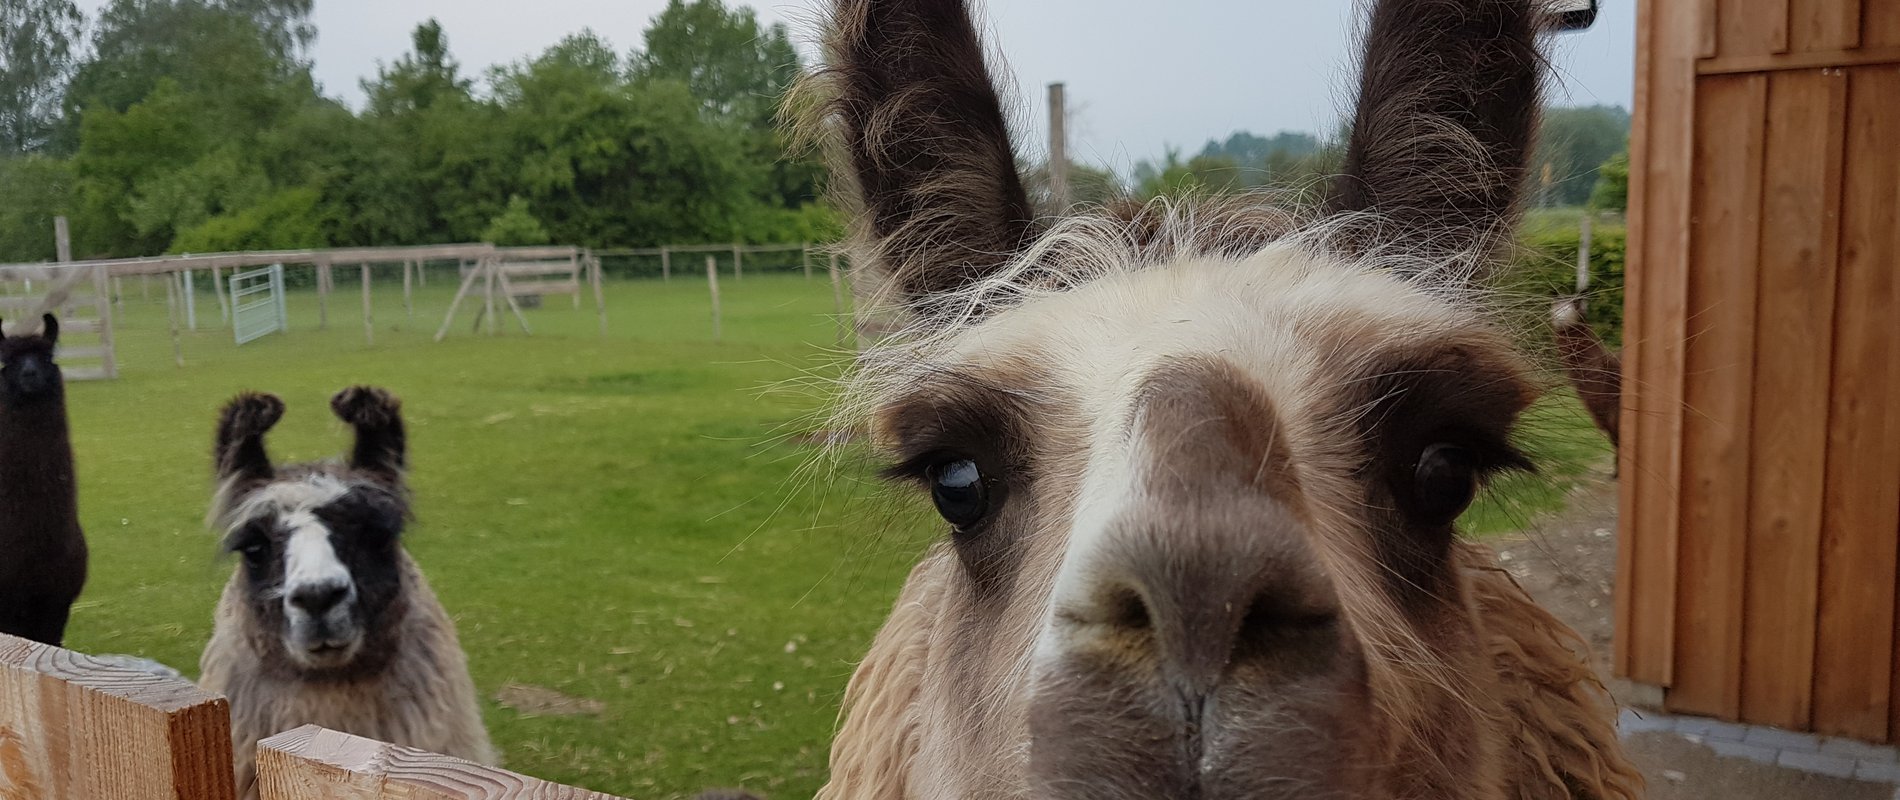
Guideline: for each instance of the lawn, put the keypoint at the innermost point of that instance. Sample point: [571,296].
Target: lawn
[621,519]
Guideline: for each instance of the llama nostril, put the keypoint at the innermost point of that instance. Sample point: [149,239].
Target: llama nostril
[317,600]
[1126,609]
[1274,623]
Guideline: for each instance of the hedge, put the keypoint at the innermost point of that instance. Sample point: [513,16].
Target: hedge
[1547,267]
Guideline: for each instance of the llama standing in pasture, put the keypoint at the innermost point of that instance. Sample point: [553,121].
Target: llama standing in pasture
[1200,462]
[327,620]
[42,549]
[1594,371]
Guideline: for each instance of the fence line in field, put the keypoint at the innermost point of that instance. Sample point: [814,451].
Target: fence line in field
[76,727]
[497,278]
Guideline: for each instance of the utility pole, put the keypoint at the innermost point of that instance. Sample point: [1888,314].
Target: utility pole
[1058,150]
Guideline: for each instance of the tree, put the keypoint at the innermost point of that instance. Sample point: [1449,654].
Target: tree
[1612,192]
[38,41]
[420,78]
[1572,143]
[737,69]
[515,226]
[33,190]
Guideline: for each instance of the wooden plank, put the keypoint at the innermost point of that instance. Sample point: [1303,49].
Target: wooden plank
[75,728]
[535,253]
[518,288]
[311,762]
[1772,62]
[1795,313]
[79,353]
[1753,27]
[1717,386]
[1880,24]
[1825,25]
[1708,28]
[1855,635]
[1657,276]
[72,374]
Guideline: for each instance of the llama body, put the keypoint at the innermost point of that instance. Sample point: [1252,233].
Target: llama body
[1594,371]
[44,567]
[1200,463]
[327,620]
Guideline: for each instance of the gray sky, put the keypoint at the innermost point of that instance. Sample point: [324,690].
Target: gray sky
[1141,74]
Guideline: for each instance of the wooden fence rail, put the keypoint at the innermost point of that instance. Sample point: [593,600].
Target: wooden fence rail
[312,763]
[76,727]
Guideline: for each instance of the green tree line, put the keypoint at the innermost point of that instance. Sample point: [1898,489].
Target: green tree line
[195,126]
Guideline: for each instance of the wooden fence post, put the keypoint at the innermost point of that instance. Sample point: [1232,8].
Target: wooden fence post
[712,283]
[600,296]
[369,325]
[738,264]
[190,294]
[74,727]
[408,284]
[666,264]
[311,762]
[62,240]
[837,301]
[323,295]
[217,289]
[804,257]
[1583,254]
[171,312]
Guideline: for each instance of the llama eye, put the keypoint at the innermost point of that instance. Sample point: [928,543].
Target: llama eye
[1444,483]
[957,489]
[254,551]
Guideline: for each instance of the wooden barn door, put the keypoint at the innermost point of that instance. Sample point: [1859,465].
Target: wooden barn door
[1761,459]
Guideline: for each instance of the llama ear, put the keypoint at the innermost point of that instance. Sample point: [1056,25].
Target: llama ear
[381,448]
[239,450]
[924,148]
[1447,107]
[49,328]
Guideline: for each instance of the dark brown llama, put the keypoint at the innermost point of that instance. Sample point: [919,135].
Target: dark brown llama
[43,567]
[1594,371]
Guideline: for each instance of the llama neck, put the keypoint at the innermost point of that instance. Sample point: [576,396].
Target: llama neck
[36,454]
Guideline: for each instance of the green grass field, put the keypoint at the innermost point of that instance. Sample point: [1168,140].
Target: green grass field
[619,519]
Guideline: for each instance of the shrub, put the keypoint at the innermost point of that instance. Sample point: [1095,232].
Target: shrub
[515,226]
[1547,268]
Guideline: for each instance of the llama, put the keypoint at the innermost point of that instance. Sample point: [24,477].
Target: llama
[45,564]
[1594,371]
[1199,463]
[327,620]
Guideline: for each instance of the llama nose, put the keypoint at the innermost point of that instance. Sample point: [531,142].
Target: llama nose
[1201,599]
[317,599]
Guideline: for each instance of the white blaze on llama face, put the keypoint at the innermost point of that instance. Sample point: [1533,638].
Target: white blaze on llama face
[319,593]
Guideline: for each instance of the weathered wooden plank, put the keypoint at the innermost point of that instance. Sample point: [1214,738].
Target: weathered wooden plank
[75,728]
[1657,280]
[1753,27]
[1854,648]
[519,288]
[1880,24]
[312,763]
[1795,313]
[1717,389]
[1824,25]
[1772,62]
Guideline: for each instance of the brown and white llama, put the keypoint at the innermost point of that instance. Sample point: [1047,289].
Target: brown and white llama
[328,620]
[1200,463]
[43,568]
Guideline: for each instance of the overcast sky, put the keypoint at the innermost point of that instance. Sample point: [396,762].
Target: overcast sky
[1141,74]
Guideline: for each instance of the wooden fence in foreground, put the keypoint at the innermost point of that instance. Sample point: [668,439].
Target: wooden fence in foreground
[74,727]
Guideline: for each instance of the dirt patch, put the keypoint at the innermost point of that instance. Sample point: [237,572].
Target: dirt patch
[540,701]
